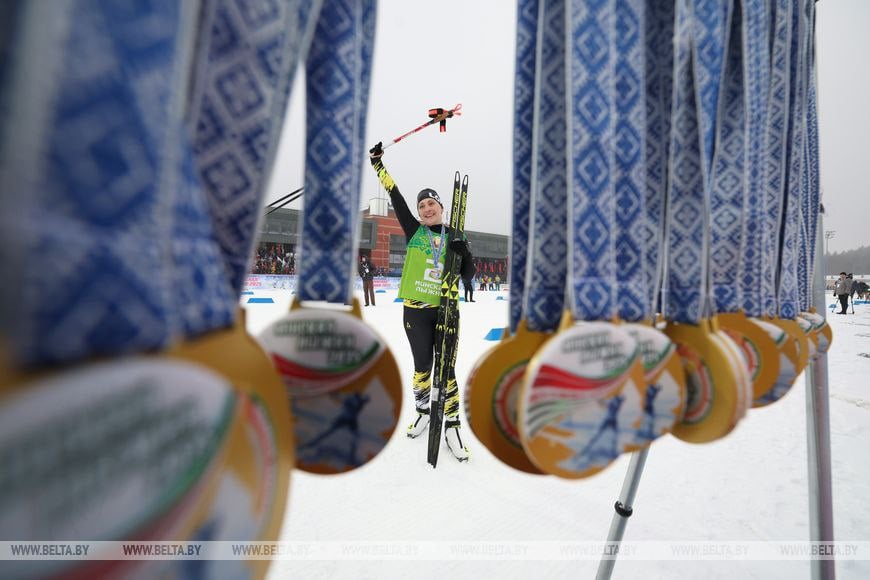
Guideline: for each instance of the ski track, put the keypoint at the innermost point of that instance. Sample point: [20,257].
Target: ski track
[751,485]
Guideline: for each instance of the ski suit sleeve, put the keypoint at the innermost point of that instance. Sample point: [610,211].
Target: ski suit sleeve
[406,219]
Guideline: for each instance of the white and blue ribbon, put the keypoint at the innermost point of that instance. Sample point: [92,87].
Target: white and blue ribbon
[139,183]
[775,154]
[548,250]
[244,69]
[338,70]
[524,112]
[727,191]
[756,80]
[91,156]
[632,227]
[810,197]
[698,61]
[659,59]
[592,264]
[787,290]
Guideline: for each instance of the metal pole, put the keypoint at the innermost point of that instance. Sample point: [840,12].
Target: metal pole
[819,437]
[623,511]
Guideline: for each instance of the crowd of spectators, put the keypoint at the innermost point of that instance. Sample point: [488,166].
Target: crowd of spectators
[274,258]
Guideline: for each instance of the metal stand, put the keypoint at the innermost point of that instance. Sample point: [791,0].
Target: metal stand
[623,512]
[818,457]
[819,435]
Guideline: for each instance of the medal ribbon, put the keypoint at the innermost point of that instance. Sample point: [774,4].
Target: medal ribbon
[810,197]
[632,228]
[700,27]
[774,174]
[436,251]
[547,255]
[756,79]
[147,204]
[524,111]
[658,63]
[592,265]
[339,69]
[727,192]
[788,280]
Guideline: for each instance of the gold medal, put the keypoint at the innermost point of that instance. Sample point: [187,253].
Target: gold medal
[343,384]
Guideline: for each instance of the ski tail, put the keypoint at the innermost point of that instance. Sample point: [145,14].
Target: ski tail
[447,325]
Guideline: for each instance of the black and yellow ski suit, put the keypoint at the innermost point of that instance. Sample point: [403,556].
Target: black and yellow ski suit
[420,316]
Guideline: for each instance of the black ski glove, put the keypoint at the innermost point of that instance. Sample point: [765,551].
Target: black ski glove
[377,151]
[460,247]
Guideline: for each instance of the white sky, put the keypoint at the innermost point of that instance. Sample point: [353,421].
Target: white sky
[465,54]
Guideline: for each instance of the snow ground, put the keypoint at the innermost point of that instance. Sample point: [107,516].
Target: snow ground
[750,486]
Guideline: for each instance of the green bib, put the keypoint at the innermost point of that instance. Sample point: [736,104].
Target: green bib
[421,277]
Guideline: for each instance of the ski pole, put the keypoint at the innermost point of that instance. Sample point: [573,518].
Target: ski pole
[291,194]
[295,195]
[437,115]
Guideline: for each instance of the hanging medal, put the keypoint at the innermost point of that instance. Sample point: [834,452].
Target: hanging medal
[713,382]
[497,379]
[580,404]
[640,173]
[783,209]
[149,179]
[342,381]
[524,91]
[734,197]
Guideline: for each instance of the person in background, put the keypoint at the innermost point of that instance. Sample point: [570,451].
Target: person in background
[468,284]
[842,290]
[367,273]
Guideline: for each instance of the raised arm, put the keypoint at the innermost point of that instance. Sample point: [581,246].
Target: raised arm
[406,219]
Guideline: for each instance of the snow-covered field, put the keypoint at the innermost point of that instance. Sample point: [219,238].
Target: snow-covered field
[749,487]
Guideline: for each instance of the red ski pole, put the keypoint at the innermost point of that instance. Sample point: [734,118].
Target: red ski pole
[438,115]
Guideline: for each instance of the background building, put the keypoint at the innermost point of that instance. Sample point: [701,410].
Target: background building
[381,239]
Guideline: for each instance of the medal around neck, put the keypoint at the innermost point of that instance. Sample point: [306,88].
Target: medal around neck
[132,449]
[343,384]
[581,401]
[492,396]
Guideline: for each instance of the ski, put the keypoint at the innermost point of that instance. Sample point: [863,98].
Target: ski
[447,325]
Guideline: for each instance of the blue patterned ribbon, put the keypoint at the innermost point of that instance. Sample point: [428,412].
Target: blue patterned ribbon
[592,265]
[787,290]
[810,197]
[134,210]
[547,255]
[632,227]
[658,63]
[92,155]
[775,142]
[244,68]
[338,72]
[698,61]
[756,75]
[524,93]
[727,191]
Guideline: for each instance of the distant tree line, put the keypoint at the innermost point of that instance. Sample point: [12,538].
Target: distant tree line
[850,261]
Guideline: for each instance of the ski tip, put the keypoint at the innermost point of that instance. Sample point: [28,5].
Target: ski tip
[465,180]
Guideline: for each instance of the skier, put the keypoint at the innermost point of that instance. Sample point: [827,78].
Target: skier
[420,289]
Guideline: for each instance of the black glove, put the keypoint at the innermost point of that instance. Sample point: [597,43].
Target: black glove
[377,151]
[460,247]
